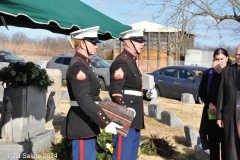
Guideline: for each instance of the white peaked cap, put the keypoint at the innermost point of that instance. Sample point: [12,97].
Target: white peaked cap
[88,32]
[132,33]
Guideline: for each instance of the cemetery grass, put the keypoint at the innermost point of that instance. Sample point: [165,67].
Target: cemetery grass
[190,114]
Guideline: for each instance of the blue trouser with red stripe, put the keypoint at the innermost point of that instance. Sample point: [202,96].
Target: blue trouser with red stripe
[84,149]
[126,148]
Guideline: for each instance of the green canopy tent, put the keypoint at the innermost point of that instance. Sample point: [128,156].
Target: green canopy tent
[58,16]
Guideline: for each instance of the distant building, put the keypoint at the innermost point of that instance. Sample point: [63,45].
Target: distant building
[198,58]
[161,41]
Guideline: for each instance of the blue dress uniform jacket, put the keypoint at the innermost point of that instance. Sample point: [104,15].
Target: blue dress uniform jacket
[125,75]
[83,120]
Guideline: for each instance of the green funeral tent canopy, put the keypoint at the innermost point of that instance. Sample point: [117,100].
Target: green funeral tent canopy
[58,16]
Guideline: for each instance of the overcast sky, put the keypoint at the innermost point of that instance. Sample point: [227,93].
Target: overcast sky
[128,12]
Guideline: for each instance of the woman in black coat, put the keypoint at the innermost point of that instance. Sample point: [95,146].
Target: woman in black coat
[228,111]
[211,135]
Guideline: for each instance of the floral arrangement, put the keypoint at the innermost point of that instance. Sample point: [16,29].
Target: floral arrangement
[63,149]
[104,146]
[157,146]
[152,146]
[24,74]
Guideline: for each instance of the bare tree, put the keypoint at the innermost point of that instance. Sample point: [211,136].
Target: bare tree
[4,38]
[213,13]
[186,15]
[20,38]
[105,50]
[185,38]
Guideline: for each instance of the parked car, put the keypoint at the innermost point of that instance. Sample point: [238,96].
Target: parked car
[6,56]
[100,66]
[43,64]
[9,57]
[172,81]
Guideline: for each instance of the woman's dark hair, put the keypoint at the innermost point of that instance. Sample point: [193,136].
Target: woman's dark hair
[224,52]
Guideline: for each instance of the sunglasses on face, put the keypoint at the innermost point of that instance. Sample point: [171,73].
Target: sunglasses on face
[139,41]
[92,42]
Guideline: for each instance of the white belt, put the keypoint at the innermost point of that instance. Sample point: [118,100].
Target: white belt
[74,103]
[132,92]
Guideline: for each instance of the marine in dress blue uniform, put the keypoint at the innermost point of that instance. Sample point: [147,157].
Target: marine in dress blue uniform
[84,117]
[126,89]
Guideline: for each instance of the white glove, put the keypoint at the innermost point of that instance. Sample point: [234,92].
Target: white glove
[112,128]
[133,111]
[151,94]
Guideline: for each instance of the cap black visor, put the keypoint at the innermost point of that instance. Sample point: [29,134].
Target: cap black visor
[92,39]
[138,39]
[135,38]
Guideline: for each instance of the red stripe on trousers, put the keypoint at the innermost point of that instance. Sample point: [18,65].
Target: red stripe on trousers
[119,147]
[81,149]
